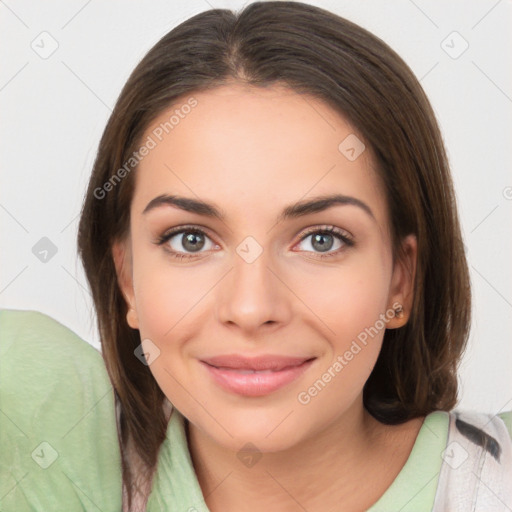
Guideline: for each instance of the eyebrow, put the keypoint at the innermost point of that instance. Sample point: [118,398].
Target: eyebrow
[293,211]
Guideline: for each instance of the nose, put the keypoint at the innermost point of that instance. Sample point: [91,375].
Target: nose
[254,296]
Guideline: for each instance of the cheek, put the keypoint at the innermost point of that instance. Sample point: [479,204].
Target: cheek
[352,307]
[348,305]
[164,298]
[166,293]
[169,311]
[348,298]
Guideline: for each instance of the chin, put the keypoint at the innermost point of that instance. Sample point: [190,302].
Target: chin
[267,432]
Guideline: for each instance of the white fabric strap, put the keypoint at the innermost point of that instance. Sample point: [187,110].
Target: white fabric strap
[476,472]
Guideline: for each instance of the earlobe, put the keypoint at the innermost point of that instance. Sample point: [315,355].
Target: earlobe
[132,319]
[122,261]
[402,284]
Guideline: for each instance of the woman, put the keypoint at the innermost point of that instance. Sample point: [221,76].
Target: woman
[272,243]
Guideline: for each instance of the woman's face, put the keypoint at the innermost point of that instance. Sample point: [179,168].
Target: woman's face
[262,278]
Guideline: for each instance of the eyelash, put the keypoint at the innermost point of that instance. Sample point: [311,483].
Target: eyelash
[330,230]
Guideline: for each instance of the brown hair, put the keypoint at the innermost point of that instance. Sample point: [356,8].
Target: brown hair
[315,52]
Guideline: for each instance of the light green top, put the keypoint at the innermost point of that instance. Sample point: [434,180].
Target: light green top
[58,436]
[58,439]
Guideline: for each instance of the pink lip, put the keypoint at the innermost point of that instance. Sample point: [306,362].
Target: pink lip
[257,384]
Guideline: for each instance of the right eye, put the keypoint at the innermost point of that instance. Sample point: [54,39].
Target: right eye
[185,242]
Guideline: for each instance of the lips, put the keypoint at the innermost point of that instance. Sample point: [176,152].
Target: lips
[261,364]
[255,377]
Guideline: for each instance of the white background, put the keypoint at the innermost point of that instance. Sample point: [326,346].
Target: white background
[53,112]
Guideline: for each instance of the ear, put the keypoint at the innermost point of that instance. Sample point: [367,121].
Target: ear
[401,291]
[122,256]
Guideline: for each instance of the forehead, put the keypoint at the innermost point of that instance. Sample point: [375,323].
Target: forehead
[251,150]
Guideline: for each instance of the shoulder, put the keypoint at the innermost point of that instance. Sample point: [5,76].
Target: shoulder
[22,329]
[57,428]
[39,356]
[486,430]
[477,462]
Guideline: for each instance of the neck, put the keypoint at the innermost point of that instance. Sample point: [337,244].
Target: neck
[339,465]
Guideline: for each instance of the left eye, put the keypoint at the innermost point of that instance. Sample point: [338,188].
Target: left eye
[323,240]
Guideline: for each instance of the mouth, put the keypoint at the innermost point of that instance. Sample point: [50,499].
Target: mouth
[259,363]
[253,382]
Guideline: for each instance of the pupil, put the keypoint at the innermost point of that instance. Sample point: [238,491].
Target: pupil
[320,240]
[191,243]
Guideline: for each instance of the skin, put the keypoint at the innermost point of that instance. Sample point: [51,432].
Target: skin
[251,152]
